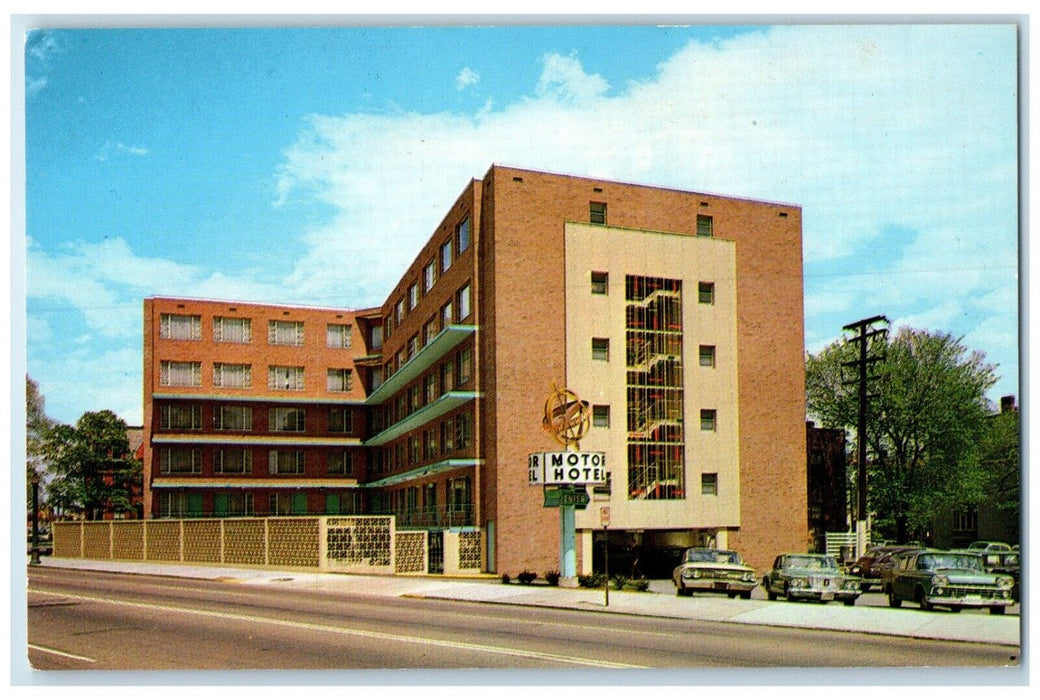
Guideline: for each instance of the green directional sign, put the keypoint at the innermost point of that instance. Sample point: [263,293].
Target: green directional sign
[577,497]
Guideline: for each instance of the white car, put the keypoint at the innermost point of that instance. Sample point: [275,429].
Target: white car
[716,570]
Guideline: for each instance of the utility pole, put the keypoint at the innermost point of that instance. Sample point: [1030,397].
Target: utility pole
[865,330]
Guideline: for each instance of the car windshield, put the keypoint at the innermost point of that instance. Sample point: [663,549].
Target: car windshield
[810,562]
[715,556]
[969,562]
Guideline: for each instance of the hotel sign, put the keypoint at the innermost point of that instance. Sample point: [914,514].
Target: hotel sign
[566,468]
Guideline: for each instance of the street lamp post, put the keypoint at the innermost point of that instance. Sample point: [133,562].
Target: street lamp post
[34,558]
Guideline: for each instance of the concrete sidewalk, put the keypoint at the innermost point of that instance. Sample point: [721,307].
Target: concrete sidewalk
[994,629]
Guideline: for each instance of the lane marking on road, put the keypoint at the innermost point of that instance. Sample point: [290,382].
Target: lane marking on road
[385,636]
[56,652]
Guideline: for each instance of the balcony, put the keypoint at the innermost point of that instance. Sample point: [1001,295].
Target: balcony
[443,343]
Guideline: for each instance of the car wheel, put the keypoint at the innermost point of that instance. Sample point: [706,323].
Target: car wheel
[769,591]
[954,609]
[893,602]
[850,602]
[787,592]
[997,610]
[732,594]
[864,587]
[746,595]
[923,602]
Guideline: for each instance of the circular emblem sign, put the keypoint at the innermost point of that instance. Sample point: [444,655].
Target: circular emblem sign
[567,417]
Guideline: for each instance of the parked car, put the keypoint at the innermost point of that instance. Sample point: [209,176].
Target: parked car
[1009,563]
[709,569]
[985,546]
[810,577]
[872,564]
[954,580]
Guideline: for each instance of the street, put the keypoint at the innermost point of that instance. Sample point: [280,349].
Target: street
[82,620]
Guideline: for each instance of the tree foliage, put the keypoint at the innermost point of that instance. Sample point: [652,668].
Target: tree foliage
[37,423]
[91,466]
[925,424]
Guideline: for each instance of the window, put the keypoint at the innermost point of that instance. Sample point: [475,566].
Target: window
[232,330]
[180,327]
[448,376]
[431,445]
[463,231]
[413,345]
[709,484]
[429,276]
[337,335]
[285,332]
[285,462]
[448,435]
[415,397]
[601,416]
[233,418]
[341,462]
[180,460]
[597,212]
[464,303]
[447,314]
[707,355]
[429,331]
[430,392]
[414,449]
[232,503]
[282,378]
[463,430]
[232,376]
[180,417]
[601,349]
[233,461]
[377,337]
[180,373]
[180,504]
[706,292]
[704,226]
[287,503]
[599,282]
[465,368]
[445,256]
[709,419]
[337,379]
[399,312]
[413,296]
[341,420]
[286,420]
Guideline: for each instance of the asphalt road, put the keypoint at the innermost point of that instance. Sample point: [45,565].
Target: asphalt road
[87,620]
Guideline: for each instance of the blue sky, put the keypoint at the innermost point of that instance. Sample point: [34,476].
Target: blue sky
[308,165]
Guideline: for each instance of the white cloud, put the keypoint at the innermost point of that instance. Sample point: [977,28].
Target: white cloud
[904,161]
[466,77]
[106,150]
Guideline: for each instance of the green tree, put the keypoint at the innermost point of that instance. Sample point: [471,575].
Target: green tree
[924,427]
[37,423]
[1001,463]
[91,466]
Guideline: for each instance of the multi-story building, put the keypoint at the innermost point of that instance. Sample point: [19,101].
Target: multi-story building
[676,315]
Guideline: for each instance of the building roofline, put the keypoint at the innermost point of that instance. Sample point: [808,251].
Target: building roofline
[588,178]
[367,311]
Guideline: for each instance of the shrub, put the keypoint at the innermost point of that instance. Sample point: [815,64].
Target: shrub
[505,578]
[619,582]
[642,584]
[525,577]
[553,578]
[590,580]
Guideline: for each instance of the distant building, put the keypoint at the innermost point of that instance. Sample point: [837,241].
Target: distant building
[826,482]
[985,521]
[677,315]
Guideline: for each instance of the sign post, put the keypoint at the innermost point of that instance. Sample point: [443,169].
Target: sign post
[604,519]
[564,475]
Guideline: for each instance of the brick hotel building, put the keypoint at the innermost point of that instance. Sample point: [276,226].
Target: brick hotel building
[676,315]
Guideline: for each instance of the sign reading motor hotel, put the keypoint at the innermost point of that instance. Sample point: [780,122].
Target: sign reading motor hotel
[564,468]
